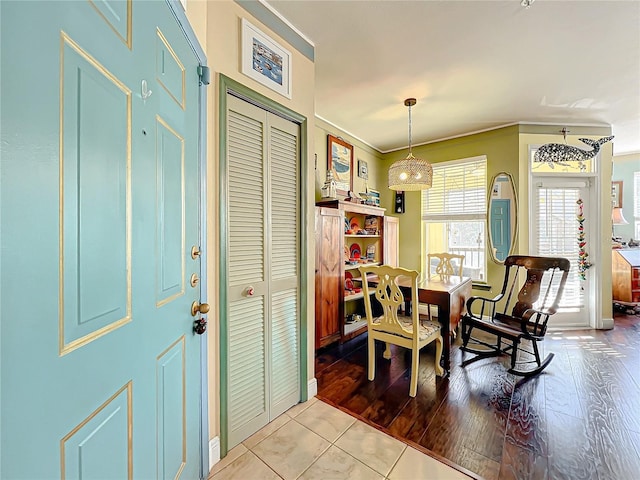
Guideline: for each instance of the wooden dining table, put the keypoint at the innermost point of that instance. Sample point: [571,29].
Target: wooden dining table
[450,294]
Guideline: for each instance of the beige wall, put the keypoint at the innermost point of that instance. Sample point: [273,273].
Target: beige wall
[218,27]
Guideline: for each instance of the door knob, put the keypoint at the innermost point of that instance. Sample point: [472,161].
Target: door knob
[199,307]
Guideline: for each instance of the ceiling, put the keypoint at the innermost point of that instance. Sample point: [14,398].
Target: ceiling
[472,65]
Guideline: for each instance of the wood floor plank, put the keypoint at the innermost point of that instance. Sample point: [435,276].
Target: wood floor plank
[580,419]
[521,463]
[602,379]
[526,440]
[474,414]
[415,417]
[569,449]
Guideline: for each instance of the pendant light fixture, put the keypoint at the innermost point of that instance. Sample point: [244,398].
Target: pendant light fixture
[410,173]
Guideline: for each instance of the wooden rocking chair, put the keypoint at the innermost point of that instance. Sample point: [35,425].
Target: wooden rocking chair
[536,301]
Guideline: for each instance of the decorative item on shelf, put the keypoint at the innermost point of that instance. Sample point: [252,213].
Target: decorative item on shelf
[353,197]
[561,153]
[353,318]
[583,263]
[355,252]
[371,225]
[371,253]
[374,195]
[328,190]
[410,173]
[348,283]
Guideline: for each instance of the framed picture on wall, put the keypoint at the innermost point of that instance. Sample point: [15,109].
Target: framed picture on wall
[340,159]
[264,60]
[616,194]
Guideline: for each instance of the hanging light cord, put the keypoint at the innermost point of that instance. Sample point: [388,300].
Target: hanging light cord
[409,102]
[409,129]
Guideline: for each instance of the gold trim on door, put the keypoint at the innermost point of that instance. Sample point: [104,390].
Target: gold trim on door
[127,41]
[129,388]
[65,348]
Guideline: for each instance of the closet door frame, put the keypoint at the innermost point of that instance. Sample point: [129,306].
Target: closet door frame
[230,86]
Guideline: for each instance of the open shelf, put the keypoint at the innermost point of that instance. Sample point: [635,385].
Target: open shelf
[360,236]
[354,267]
[352,327]
[355,296]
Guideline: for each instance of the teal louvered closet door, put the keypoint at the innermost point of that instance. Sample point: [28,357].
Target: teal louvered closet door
[262,325]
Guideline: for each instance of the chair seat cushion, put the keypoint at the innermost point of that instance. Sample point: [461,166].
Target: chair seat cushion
[426,328]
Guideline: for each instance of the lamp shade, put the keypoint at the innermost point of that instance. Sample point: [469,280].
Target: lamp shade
[617,218]
[410,173]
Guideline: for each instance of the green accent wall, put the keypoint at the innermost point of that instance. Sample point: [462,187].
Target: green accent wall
[501,149]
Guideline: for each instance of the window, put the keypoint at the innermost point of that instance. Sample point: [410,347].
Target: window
[454,213]
[636,205]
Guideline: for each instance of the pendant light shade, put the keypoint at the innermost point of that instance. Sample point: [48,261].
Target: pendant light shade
[410,173]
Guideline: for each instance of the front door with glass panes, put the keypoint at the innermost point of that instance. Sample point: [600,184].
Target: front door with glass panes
[563,223]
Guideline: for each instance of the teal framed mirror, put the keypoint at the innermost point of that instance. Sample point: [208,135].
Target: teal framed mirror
[502,216]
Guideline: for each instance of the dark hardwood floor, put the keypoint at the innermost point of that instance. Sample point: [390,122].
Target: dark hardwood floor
[579,419]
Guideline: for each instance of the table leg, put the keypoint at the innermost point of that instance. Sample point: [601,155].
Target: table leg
[444,320]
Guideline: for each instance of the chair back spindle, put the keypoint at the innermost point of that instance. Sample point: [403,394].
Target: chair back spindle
[515,317]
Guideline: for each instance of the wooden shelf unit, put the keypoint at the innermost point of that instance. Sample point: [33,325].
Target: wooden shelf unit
[333,302]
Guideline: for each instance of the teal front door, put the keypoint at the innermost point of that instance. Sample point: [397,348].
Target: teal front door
[99,214]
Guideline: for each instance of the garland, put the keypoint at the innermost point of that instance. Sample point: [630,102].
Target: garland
[583,263]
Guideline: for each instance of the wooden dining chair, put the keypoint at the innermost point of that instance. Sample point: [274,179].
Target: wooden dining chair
[448,264]
[390,326]
[516,319]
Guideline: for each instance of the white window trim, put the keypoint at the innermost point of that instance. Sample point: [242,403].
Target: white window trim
[445,217]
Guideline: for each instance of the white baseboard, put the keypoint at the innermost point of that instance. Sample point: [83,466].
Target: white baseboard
[214,451]
[607,324]
[312,388]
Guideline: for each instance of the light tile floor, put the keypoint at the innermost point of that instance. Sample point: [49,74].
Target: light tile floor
[316,441]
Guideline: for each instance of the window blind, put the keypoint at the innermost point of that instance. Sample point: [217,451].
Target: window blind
[459,190]
[556,230]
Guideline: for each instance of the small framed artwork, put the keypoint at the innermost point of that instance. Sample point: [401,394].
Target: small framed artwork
[340,159]
[363,169]
[265,61]
[616,194]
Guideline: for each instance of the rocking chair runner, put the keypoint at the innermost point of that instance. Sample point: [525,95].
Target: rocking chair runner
[536,301]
